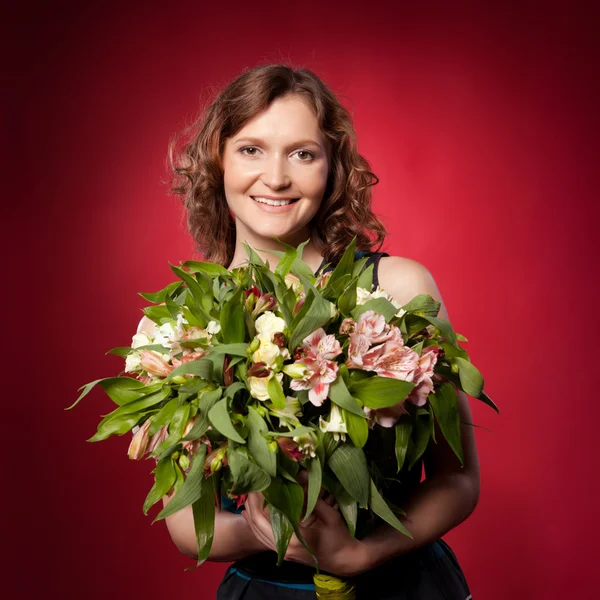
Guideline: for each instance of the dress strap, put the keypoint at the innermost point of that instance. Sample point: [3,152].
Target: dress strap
[374,258]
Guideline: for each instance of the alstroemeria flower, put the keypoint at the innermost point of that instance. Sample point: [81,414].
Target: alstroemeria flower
[268,323]
[391,360]
[423,376]
[155,364]
[290,447]
[386,417]
[259,386]
[139,442]
[319,349]
[335,425]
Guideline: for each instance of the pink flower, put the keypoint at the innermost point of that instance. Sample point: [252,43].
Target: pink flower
[154,364]
[319,350]
[386,417]
[373,326]
[423,376]
[319,374]
[188,356]
[139,443]
[392,360]
[157,438]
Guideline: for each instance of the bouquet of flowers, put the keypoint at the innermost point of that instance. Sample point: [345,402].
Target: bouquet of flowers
[237,380]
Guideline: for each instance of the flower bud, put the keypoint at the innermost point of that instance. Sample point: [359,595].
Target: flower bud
[184,462]
[261,410]
[258,369]
[215,464]
[279,339]
[175,455]
[296,370]
[273,446]
[454,367]
[254,346]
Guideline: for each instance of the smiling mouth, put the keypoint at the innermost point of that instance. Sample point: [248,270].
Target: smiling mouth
[271,202]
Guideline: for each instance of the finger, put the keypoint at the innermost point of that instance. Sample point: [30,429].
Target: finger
[324,512]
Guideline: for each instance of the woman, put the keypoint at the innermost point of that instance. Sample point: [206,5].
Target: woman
[275,156]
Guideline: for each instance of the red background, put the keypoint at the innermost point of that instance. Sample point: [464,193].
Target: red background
[481,123]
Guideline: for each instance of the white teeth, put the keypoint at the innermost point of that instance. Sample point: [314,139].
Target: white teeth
[272,202]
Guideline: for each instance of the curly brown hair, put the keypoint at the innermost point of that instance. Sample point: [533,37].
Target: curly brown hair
[195,158]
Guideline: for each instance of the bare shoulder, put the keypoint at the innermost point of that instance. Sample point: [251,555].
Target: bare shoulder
[404,278]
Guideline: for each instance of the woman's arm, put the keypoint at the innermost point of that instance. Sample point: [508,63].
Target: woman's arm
[233,537]
[450,491]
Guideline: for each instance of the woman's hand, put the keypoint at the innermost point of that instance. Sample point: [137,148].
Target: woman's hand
[325,531]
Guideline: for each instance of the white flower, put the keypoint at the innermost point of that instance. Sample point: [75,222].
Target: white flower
[213,327]
[140,339]
[268,323]
[133,362]
[267,351]
[335,425]
[259,386]
[363,296]
[165,335]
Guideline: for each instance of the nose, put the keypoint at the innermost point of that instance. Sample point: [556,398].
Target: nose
[275,174]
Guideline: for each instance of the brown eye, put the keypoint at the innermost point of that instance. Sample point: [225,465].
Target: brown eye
[305,155]
[249,150]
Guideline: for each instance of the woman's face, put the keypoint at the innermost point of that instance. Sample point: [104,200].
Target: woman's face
[275,172]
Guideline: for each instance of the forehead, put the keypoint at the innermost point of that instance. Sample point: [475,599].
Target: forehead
[286,118]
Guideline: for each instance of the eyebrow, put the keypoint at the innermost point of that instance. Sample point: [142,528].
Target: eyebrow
[259,142]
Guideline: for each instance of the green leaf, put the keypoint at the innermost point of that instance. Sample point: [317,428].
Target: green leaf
[232,349]
[258,445]
[211,269]
[379,506]
[247,477]
[276,394]
[357,427]
[315,478]
[203,511]
[158,297]
[345,265]
[347,300]
[421,433]
[423,304]
[445,408]
[119,389]
[232,319]
[191,488]
[471,380]
[176,429]
[402,429]
[379,305]
[316,316]
[339,394]
[365,279]
[157,313]
[202,368]
[164,478]
[445,328]
[144,402]
[347,505]
[287,497]
[116,425]
[381,392]
[350,467]
[164,416]
[122,351]
[487,400]
[219,417]
[282,532]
